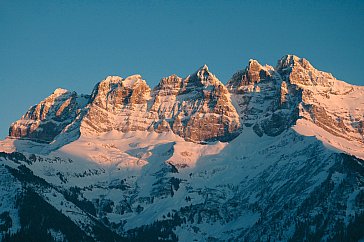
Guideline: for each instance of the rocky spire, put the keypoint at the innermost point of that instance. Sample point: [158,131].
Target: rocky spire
[243,80]
[114,92]
[290,61]
[201,78]
[170,85]
[299,71]
[198,108]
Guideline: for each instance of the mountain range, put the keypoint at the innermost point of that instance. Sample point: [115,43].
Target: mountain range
[275,154]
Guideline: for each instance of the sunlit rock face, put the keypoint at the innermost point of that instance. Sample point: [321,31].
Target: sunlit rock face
[44,121]
[273,99]
[197,108]
[117,104]
[324,100]
[246,79]
[200,108]
[260,96]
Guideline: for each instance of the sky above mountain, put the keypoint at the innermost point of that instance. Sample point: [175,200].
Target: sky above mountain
[75,44]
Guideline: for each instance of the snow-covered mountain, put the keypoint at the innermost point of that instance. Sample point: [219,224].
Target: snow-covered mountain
[275,154]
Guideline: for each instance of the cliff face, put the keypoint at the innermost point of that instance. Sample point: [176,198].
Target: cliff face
[273,99]
[117,104]
[330,104]
[197,108]
[44,121]
[262,99]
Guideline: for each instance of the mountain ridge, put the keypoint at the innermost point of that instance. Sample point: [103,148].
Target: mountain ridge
[200,108]
[275,154]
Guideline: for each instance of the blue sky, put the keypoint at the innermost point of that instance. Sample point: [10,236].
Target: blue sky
[74,44]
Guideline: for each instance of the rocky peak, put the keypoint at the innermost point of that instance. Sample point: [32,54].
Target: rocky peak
[56,104]
[320,98]
[205,109]
[170,85]
[197,108]
[299,71]
[290,61]
[115,103]
[114,92]
[206,77]
[60,91]
[205,86]
[203,71]
[111,82]
[287,61]
[132,81]
[263,99]
[254,65]
[104,87]
[245,80]
[201,78]
[297,92]
[44,121]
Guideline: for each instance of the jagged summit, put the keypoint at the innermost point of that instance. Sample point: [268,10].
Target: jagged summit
[168,86]
[60,91]
[44,121]
[204,67]
[271,100]
[197,108]
[245,79]
[290,61]
[203,77]
[133,80]
[299,71]
[112,80]
[253,62]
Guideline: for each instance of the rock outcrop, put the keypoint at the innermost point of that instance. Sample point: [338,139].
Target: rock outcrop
[324,100]
[44,121]
[197,108]
[273,99]
[117,104]
[261,96]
